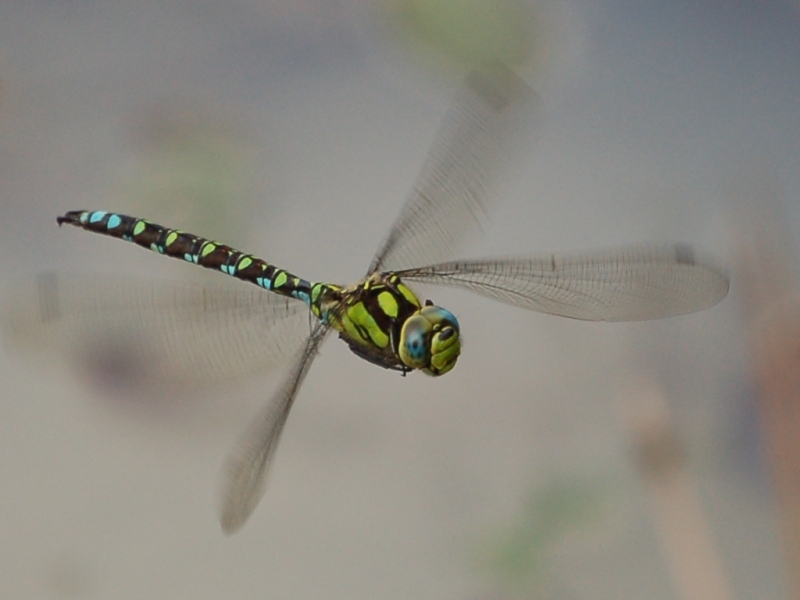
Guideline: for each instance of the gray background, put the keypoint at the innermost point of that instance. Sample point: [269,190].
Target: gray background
[293,130]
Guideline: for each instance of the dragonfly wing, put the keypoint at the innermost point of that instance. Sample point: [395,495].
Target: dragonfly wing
[627,284]
[154,331]
[245,473]
[453,192]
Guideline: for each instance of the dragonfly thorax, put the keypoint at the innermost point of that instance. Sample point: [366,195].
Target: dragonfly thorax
[384,322]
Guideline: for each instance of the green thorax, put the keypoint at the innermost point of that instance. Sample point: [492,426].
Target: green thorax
[369,316]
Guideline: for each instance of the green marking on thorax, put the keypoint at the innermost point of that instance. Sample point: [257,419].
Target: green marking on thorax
[388,303]
[407,293]
[363,322]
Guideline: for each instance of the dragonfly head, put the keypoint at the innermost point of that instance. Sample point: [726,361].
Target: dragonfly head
[430,340]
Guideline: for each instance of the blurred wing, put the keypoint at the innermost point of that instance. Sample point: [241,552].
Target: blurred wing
[453,192]
[627,284]
[145,330]
[245,473]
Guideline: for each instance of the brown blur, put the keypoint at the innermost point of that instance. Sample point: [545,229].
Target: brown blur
[771,309]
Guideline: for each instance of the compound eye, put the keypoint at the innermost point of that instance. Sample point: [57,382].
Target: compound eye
[430,341]
[414,342]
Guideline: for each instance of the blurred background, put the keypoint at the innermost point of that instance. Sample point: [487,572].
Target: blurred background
[561,459]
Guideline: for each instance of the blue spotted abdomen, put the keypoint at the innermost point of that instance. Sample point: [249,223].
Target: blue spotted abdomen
[197,250]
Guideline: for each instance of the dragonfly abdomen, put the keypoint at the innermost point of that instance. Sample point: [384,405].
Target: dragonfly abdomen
[196,250]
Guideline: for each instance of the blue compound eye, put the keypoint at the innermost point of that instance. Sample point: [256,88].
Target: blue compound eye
[430,341]
[414,336]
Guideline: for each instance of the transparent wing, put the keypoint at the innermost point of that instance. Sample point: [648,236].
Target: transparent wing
[626,284]
[246,469]
[453,191]
[145,330]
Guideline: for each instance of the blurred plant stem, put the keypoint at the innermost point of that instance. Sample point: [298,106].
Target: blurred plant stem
[772,312]
[682,527]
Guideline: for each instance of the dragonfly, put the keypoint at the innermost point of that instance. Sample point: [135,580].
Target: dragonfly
[203,331]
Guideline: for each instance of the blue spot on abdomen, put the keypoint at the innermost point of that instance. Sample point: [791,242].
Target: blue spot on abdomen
[302,296]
